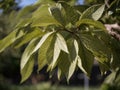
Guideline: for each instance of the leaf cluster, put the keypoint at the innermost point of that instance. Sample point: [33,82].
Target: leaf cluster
[64,37]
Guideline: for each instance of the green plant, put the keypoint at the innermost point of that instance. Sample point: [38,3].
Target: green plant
[63,36]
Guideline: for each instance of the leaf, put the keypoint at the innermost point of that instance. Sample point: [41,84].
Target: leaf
[32,48]
[72,68]
[23,22]
[110,79]
[115,62]
[96,24]
[97,47]
[41,60]
[62,43]
[25,12]
[56,52]
[56,13]
[27,70]
[94,12]
[23,18]
[27,53]
[85,59]
[71,13]
[98,13]
[41,41]
[63,63]
[10,39]
[42,17]
[37,32]
[73,56]
[44,55]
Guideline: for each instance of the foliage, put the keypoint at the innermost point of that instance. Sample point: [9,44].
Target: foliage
[64,37]
[115,84]
[8,5]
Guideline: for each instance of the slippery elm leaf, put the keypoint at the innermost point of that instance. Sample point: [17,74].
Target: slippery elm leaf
[56,13]
[62,43]
[27,70]
[72,68]
[63,63]
[44,21]
[73,54]
[94,23]
[50,54]
[32,48]
[67,62]
[89,13]
[85,59]
[29,36]
[76,46]
[23,23]
[56,52]
[115,62]
[71,13]
[10,39]
[98,13]
[41,61]
[42,17]
[80,65]
[97,47]
[41,41]
[25,11]
[28,52]
[44,54]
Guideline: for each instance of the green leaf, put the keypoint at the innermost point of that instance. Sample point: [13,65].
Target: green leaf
[85,59]
[56,13]
[72,68]
[56,52]
[73,56]
[37,32]
[63,63]
[96,24]
[23,23]
[62,43]
[97,47]
[44,54]
[10,39]
[27,70]
[23,18]
[115,63]
[42,17]
[28,52]
[32,48]
[41,59]
[25,12]
[94,12]
[43,39]
[110,79]
[98,13]
[71,13]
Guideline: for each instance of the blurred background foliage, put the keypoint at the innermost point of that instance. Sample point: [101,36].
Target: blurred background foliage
[10,59]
